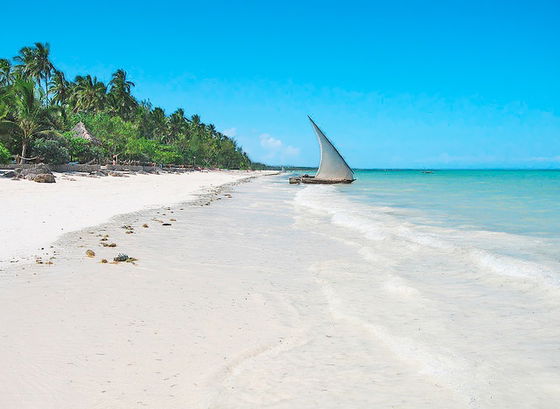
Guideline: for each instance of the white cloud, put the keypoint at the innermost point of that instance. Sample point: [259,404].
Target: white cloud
[270,143]
[231,132]
[546,159]
[276,149]
[291,151]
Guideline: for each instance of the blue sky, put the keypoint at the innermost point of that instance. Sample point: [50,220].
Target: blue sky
[470,84]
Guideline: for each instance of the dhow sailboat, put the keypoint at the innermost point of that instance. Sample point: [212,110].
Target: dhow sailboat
[332,169]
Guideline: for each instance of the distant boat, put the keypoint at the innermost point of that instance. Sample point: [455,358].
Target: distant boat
[332,169]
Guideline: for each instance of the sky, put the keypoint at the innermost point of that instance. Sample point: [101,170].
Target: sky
[401,84]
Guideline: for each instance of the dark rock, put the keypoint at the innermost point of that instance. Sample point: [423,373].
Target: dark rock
[38,169]
[121,257]
[10,174]
[44,178]
[124,257]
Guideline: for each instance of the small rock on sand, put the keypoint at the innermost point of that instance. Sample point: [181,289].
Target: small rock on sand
[90,253]
[44,178]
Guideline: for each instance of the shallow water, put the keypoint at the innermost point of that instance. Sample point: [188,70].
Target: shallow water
[458,277]
[411,300]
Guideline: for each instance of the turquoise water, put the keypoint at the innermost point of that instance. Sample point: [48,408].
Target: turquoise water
[515,201]
[455,273]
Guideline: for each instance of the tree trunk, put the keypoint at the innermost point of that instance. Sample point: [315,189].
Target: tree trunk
[47,89]
[23,151]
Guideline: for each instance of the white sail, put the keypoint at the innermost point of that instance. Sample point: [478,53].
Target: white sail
[333,166]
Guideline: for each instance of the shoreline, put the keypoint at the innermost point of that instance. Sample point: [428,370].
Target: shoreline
[35,215]
[170,329]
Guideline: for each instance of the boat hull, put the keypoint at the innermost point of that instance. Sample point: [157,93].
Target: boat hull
[317,181]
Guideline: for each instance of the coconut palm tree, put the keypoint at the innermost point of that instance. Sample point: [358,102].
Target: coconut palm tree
[160,125]
[120,99]
[6,73]
[35,63]
[195,120]
[88,94]
[177,123]
[28,117]
[60,88]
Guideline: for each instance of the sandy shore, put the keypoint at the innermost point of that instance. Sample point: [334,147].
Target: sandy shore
[33,214]
[170,330]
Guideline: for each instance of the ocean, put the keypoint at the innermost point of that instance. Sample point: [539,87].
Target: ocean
[456,278]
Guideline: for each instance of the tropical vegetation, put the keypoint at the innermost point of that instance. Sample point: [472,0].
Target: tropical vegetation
[39,108]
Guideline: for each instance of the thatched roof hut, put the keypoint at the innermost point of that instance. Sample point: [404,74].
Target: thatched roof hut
[80,131]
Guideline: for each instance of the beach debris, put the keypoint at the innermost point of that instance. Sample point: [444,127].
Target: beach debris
[118,174]
[9,174]
[128,228]
[44,178]
[90,253]
[104,261]
[172,220]
[166,224]
[121,257]
[104,239]
[145,226]
[109,244]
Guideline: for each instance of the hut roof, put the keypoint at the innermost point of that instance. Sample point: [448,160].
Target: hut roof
[81,131]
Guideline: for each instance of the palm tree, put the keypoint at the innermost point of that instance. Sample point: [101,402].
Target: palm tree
[60,88]
[28,117]
[35,63]
[160,122]
[195,120]
[88,94]
[177,123]
[120,98]
[6,73]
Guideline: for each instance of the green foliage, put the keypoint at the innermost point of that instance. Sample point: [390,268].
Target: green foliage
[51,151]
[82,150]
[37,102]
[148,150]
[112,131]
[5,156]
[27,117]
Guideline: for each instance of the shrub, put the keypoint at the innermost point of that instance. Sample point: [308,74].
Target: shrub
[5,156]
[51,151]
[82,150]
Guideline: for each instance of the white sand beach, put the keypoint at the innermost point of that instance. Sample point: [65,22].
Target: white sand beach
[35,214]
